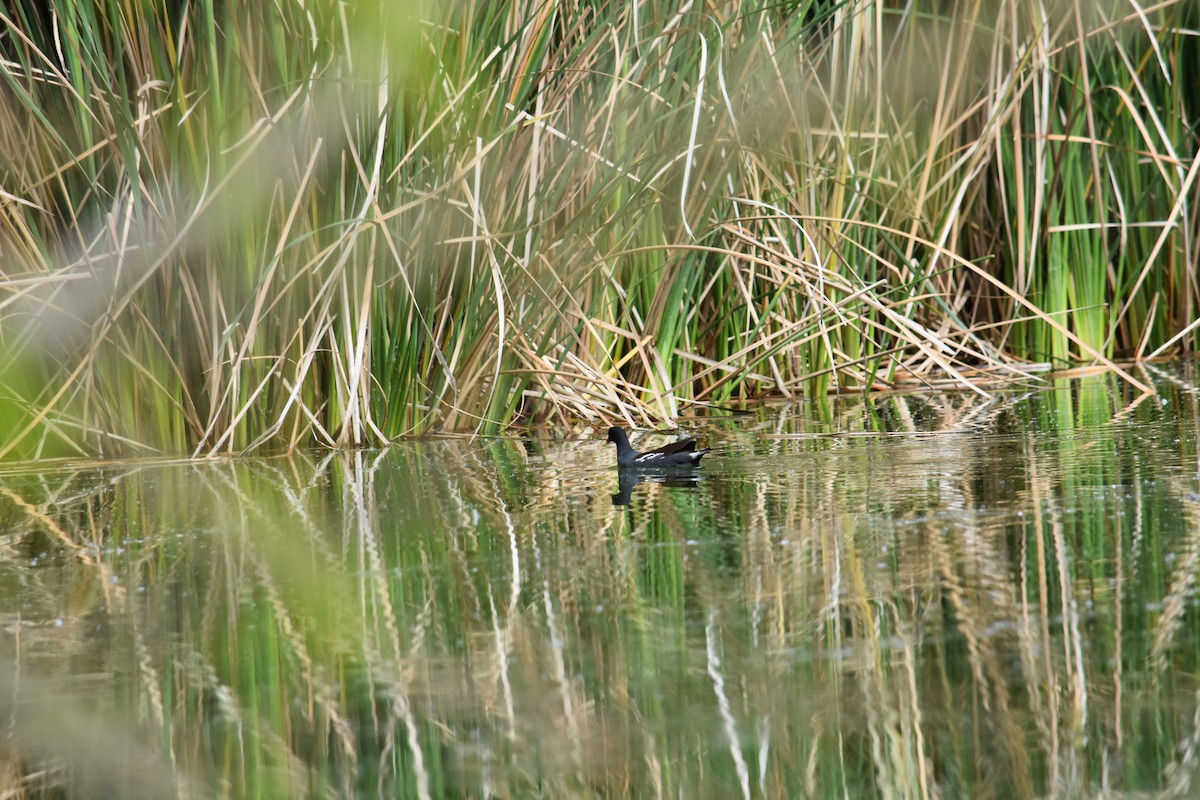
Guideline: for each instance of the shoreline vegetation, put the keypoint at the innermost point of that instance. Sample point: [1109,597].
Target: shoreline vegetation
[239,227]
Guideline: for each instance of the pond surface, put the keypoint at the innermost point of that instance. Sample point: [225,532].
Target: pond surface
[934,595]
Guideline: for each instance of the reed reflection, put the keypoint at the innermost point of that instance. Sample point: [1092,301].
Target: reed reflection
[912,596]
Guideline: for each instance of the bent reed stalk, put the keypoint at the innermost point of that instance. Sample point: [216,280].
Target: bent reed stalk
[230,227]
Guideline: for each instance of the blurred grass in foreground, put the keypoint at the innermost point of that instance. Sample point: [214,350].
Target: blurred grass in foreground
[917,596]
[226,226]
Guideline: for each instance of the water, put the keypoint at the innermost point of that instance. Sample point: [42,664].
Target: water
[932,595]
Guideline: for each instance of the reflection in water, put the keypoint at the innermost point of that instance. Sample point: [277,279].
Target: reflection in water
[937,595]
[677,477]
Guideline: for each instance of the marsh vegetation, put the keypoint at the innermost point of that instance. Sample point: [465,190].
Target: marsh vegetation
[229,227]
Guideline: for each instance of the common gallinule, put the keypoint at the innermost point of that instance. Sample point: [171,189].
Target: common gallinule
[676,454]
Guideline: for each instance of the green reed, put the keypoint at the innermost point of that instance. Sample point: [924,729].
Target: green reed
[231,228]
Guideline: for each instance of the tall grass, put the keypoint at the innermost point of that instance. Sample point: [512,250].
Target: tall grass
[227,227]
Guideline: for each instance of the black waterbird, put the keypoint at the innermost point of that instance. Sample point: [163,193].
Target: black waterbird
[676,454]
